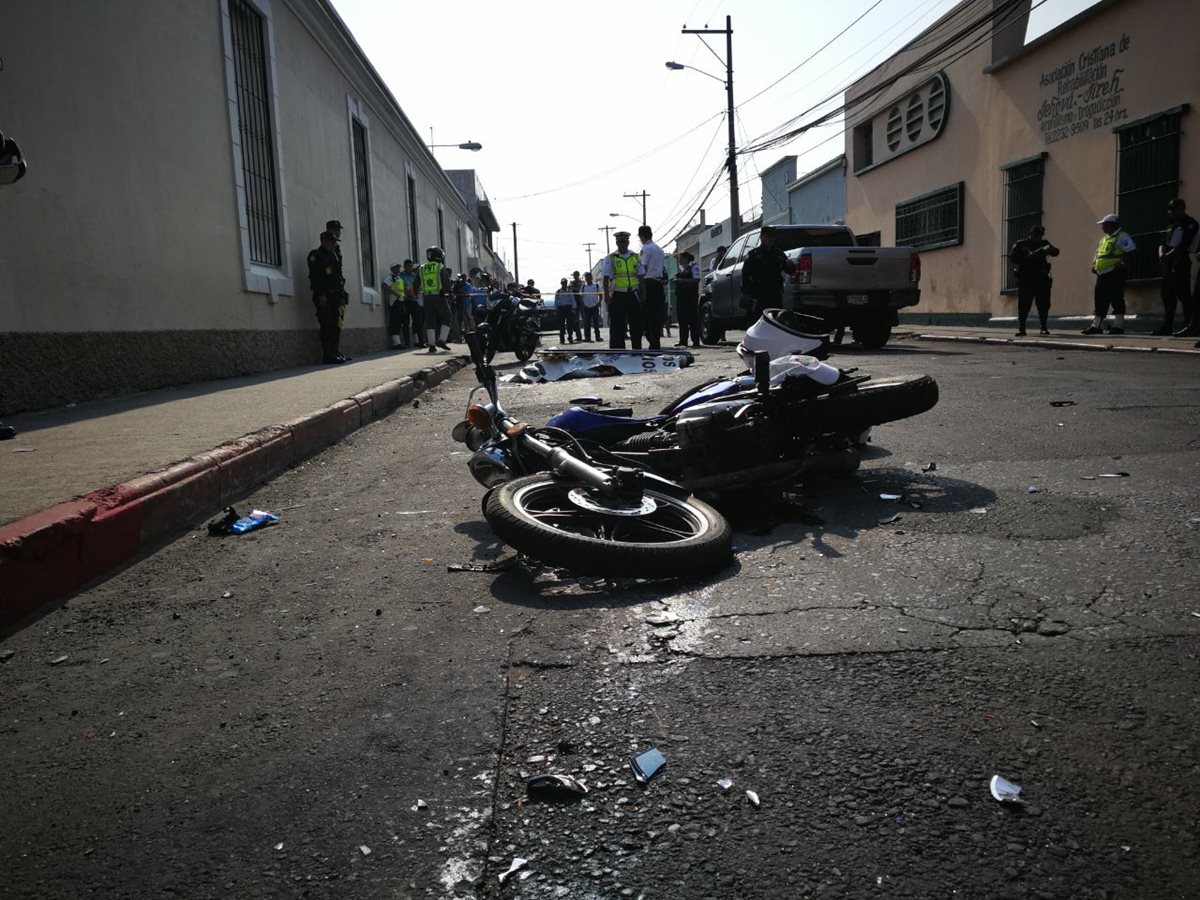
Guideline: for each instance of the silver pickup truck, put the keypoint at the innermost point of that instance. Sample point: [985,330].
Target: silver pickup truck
[860,288]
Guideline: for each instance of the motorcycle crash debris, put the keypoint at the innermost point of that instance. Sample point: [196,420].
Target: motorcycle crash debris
[562,365]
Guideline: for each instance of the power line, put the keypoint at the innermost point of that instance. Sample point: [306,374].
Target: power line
[676,206]
[797,67]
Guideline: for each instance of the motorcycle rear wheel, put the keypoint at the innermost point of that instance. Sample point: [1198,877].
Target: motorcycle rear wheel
[875,403]
[679,538]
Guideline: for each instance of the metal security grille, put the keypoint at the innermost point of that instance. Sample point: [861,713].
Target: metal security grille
[1022,208]
[362,189]
[248,33]
[1147,180]
[932,220]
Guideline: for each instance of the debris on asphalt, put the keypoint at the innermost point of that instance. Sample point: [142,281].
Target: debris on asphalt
[1113,475]
[279,846]
[1035,723]
[1004,790]
[1088,477]
[482,609]
[23,450]
[1033,489]
[915,504]
[725,784]
[932,467]
[517,864]
[1196,614]
[421,804]
[555,787]
[501,565]
[658,620]
[6,655]
[752,797]
[891,496]
[978,510]
[1061,403]
[232,523]
[59,659]
[646,765]
[364,849]
[890,519]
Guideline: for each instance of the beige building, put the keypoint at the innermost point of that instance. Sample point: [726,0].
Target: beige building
[184,156]
[970,135]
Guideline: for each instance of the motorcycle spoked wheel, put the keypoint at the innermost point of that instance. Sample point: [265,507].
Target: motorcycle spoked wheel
[874,403]
[527,341]
[678,538]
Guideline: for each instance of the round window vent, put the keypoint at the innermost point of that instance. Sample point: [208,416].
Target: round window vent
[895,126]
[914,118]
[935,109]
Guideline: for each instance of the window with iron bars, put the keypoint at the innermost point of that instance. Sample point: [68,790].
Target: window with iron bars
[362,190]
[248,32]
[1022,208]
[932,220]
[1147,180]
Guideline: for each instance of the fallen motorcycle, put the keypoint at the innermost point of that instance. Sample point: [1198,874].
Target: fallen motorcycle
[594,515]
[791,416]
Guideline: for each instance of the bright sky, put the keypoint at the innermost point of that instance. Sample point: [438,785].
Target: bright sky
[574,106]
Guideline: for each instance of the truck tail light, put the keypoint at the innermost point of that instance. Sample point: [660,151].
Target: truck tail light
[802,274]
[914,269]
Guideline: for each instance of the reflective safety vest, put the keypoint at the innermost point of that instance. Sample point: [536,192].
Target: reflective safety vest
[431,277]
[1108,254]
[624,270]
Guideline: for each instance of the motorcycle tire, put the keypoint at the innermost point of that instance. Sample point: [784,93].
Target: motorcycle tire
[527,341]
[875,403]
[680,538]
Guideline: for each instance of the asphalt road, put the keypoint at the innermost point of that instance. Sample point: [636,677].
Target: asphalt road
[321,710]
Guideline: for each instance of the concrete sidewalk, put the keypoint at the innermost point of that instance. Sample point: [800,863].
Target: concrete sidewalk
[1058,339]
[88,487]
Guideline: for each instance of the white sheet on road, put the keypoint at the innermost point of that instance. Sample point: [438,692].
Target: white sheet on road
[561,365]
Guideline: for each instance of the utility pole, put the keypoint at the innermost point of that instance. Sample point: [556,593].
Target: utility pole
[643,195]
[607,229]
[516,263]
[588,247]
[735,212]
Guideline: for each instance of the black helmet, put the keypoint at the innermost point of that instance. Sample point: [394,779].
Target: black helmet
[435,253]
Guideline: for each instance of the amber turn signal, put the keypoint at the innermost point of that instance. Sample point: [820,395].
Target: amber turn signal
[479,417]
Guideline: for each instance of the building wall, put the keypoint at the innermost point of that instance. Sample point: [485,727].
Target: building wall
[820,200]
[774,190]
[121,267]
[995,119]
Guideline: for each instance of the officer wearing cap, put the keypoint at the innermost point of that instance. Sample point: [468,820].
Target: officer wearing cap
[329,297]
[1109,269]
[621,276]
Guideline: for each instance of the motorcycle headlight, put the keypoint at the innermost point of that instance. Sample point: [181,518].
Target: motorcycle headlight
[489,467]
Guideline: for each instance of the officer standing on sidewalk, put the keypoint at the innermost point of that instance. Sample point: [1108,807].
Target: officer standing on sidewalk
[436,286]
[1109,269]
[1030,258]
[621,277]
[654,293]
[1174,253]
[328,295]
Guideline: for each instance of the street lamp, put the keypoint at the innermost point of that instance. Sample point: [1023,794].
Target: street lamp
[735,213]
[469,145]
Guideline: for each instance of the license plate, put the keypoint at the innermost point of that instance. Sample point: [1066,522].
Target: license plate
[857,299]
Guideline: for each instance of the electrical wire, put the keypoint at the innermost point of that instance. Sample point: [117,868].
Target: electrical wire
[676,207]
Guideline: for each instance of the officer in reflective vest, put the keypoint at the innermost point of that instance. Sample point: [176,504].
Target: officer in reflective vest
[1109,269]
[436,284]
[622,275]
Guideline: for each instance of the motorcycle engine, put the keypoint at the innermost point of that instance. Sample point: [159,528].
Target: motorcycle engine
[710,425]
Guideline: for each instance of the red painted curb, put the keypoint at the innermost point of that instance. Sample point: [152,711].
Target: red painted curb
[51,553]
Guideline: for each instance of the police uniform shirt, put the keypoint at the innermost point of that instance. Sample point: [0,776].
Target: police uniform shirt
[1125,243]
[1185,235]
[1031,264]
[606,270]
[652,259]
[324,272]
[763,271]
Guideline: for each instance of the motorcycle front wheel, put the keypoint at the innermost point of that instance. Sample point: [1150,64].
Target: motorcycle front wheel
[676,538]
[527,341]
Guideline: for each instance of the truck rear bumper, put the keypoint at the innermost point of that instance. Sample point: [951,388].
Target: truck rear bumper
[844,308]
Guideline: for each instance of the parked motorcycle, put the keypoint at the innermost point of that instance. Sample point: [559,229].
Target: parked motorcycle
[590,513]
[512,325]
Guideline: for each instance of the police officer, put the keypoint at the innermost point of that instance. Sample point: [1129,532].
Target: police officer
[622,274]
[762,275]
[328,295]
[653,294]
[1174,255]
[687,298]
[1109,269]
[436,287]
[1030,257]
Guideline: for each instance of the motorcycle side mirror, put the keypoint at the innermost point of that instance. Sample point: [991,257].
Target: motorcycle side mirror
[762,371]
